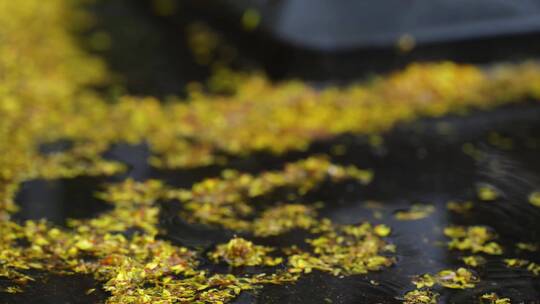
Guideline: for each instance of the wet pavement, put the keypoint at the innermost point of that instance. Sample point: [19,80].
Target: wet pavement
[418,162]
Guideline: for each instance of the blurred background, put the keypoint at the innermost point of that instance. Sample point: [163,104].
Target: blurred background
[156,47]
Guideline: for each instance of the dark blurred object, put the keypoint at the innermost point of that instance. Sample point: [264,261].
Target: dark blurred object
[146,55]
[348,24]
[315,40]
[345,39]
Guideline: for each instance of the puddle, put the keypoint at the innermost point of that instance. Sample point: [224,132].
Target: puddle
[58,200]
[56,289]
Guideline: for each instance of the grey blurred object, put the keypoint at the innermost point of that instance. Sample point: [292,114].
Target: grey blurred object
[320,41]
[340,25]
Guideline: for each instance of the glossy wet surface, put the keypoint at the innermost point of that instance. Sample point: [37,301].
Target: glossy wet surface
[421,162]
